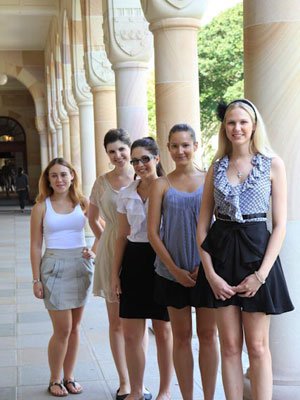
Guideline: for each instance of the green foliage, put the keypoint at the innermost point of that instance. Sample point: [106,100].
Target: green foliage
[151,104]
[220,53]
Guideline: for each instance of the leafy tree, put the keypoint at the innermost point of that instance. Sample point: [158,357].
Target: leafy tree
[220,53]
[151,104]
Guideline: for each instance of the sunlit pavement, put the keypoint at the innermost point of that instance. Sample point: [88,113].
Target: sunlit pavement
[25,330]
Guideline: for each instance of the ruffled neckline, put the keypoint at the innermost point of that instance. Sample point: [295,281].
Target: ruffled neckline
[232,193]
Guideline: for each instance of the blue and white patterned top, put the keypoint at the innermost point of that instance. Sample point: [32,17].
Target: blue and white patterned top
[180,213]
[249,197]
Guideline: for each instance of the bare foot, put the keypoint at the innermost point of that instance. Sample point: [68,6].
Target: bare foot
[57,389]
[72,386]
[164,396]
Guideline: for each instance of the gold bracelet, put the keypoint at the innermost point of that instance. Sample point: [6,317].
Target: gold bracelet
[259,278]
[34,281]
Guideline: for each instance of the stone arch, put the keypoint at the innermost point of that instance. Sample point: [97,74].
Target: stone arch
[32,77]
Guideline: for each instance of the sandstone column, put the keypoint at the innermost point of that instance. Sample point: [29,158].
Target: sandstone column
[174,24]
[84,99]
[129,49]
[54,110]
[41,125]
[50,122]
[62,113]
[272,81]
[100,77]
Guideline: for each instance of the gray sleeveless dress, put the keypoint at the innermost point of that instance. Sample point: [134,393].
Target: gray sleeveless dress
[180,213]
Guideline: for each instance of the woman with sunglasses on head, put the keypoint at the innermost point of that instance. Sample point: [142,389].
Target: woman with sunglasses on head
[104,224]
[133,274]
[172,220]
[63,275]
[241,276]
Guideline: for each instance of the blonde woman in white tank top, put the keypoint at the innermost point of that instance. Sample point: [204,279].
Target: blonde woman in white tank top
[63,275]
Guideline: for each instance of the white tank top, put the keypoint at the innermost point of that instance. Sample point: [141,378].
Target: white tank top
[63,231]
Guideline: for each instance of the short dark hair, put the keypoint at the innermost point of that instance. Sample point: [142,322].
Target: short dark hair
[117,134]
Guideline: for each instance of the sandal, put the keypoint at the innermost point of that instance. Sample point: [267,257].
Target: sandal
[62,387]
[121,396]
[74,385]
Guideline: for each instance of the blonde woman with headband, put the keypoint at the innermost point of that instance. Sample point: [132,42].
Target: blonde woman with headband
[240,275]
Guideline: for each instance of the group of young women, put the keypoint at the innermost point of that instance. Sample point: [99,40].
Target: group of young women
[165,244]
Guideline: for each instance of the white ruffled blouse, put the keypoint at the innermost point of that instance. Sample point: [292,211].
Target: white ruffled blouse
[130,203]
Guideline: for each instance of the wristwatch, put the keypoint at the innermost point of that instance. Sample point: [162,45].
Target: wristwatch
[36,281]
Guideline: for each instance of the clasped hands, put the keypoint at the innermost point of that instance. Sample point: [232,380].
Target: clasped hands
[223,291]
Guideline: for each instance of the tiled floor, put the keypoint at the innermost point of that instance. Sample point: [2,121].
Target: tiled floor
[25,330]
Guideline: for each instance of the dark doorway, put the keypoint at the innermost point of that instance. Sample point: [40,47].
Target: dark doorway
[12,156]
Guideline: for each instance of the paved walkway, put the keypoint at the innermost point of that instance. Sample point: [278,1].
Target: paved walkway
[25,330]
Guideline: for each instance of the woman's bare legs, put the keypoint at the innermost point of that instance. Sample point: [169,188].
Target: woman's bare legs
[256,327]
[181,323]
[73,347]
[134,332]
[208,350]
[117,345]
[58,345]
[164,345]
[231,341]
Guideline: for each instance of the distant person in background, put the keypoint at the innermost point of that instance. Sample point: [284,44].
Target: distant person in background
[22,187]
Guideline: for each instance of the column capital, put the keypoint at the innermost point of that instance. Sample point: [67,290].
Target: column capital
[69,102]
[175,23]
[81,89]
[98,68]
[41,124]
[156,10]
[126,32]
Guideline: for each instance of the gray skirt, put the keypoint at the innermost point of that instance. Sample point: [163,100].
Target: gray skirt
[66,278]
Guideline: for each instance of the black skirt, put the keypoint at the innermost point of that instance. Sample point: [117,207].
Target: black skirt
[173,294]
[237,250]
[137,284]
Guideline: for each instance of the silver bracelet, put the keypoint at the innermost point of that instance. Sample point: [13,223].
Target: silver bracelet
[259,278]
[34,281]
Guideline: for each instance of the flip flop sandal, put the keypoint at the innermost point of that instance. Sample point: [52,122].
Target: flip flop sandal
[62,387]
[121,396]
[73,383]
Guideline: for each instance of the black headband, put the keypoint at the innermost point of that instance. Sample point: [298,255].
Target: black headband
[222,108]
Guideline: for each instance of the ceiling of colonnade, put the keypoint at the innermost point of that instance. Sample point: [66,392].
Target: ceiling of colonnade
[24,24]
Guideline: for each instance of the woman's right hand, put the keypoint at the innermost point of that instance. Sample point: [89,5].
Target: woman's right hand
[185,278]
[116,286]
[220,287]
[38,290]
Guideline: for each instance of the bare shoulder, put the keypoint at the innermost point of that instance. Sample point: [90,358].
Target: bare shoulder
[38,211]
[277,163]
[201,176]
[277,167]
[160,185]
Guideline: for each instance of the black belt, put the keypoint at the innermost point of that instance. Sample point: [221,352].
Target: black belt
[245,216]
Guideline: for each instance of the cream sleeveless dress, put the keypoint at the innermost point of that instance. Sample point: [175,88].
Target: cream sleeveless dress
[104,196]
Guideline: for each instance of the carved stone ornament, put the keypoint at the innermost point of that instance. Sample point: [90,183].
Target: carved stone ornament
[100,70]
[81,88]
[131,31]
[180,3]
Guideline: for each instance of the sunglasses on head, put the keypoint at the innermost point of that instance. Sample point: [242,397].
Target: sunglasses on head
[143,160]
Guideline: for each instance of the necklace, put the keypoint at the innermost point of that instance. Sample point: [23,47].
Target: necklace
[240,174]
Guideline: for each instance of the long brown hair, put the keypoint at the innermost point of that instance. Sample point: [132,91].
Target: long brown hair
[45,190]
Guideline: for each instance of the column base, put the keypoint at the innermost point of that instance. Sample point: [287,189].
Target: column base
[280,392]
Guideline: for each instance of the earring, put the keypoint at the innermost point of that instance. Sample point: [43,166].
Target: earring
[110,165]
